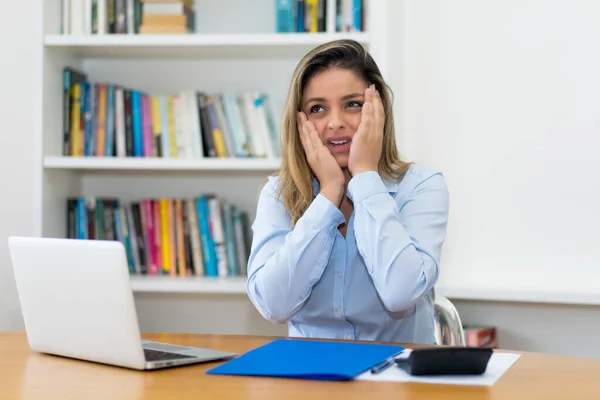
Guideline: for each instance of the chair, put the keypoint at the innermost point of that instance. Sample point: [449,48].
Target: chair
[448,326]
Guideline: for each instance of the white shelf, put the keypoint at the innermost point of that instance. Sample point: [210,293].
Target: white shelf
[519,295]
[237,285]
[168,284]
[161,164]
[196,45]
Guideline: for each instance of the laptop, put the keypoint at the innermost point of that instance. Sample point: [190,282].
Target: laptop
[77,302]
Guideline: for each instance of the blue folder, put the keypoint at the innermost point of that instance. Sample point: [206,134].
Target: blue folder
[308,359]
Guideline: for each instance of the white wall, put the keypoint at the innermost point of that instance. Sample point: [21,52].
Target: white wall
[502,96]
[19,66]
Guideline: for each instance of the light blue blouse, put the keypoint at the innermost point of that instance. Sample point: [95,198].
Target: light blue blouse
[375,284]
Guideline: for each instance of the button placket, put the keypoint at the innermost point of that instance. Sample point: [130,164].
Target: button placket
[338,288]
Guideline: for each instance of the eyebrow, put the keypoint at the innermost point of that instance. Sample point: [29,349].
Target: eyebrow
[322,99]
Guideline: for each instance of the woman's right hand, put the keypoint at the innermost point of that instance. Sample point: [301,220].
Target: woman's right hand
[321,161]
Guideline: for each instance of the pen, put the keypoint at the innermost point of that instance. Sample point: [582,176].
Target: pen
[383,366]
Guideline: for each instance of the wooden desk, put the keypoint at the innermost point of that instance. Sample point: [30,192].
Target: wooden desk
[28,375]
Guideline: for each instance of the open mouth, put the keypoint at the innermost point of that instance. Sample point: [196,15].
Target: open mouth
[339,144]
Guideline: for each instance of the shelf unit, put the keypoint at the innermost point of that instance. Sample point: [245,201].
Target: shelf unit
[237,50]
[519,295]
[152,164]
[255,45]
[237,286]
[189,285]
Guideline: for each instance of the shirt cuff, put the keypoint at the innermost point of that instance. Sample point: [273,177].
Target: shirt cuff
[324,215]
[364,185]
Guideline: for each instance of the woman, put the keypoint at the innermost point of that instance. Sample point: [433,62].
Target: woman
[347,237]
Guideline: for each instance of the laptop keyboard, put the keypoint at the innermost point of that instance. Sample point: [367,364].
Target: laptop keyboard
[157,355]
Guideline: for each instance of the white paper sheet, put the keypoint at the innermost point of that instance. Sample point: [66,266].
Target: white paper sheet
[499,363]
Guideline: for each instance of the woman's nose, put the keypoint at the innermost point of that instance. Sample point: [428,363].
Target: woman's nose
[335,121]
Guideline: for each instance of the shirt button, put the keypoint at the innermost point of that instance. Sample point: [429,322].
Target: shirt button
[339,313]
[339,274]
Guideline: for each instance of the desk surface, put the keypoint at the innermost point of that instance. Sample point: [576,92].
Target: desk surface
[25,374]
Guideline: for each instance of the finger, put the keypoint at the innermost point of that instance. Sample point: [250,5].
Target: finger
[367,113]
[304,138]
[379,112]
[309,129]
[369,94]
[313,134]
[366,119]
[373,104]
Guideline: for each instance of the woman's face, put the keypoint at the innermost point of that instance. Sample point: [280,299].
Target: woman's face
[333,100]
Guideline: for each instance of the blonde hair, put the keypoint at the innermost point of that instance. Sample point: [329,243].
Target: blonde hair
[295,175]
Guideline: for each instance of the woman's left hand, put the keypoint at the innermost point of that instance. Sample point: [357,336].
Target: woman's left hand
[367,142]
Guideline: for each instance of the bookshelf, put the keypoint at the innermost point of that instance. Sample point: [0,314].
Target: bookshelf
[235,48]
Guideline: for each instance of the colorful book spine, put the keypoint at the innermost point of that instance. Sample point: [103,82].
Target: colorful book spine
[149,213]
[101,121]
[285,16]
[136,118]
[216,131]
[165,242]
[158,248]
[172,132]
[164,139]
[208,246]
[172,238]
[120,129]
[156,125]
[86,114]
[82,227]
[232,264]
[146,127]
[110,120]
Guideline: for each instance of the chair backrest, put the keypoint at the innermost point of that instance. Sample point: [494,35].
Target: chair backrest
[448,325]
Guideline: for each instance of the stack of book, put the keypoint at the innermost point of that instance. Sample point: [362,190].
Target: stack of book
[167,16]
[481,336]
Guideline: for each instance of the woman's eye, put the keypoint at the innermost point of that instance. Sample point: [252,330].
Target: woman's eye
[316,108]
[354,104]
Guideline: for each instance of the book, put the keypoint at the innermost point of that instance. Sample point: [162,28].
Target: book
[481,336]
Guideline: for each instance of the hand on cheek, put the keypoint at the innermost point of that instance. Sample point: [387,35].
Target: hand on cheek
[321,161]
[365,150]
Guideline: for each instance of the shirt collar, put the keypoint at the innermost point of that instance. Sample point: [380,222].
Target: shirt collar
[391,185]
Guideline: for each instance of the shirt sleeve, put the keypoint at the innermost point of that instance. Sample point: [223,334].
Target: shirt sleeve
[285,263]
[401,245]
